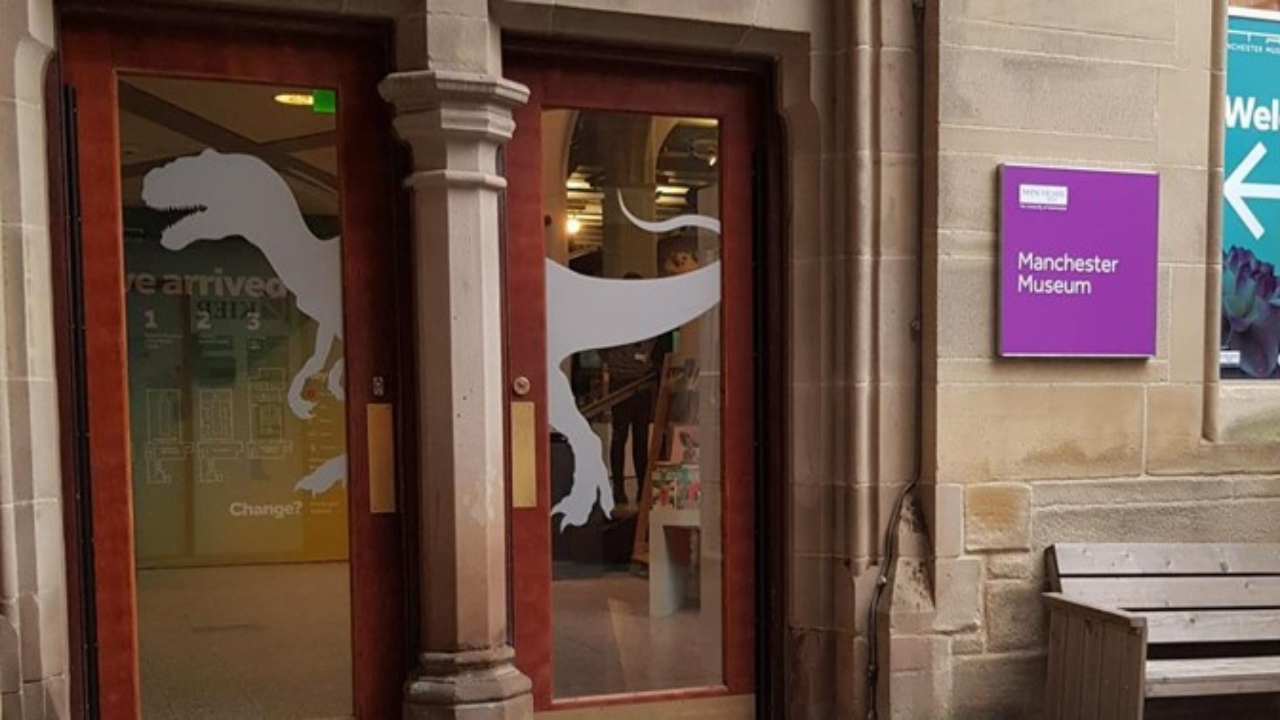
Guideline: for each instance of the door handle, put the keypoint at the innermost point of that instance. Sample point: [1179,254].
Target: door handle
[524,455]
[521,386]
[381,444]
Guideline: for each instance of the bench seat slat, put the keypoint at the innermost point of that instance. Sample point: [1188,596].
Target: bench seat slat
[1215,676]
[1154,593]
[1212,626]
[1166,559]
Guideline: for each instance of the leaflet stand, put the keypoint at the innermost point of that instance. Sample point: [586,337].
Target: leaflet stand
[677,371]
[657,440]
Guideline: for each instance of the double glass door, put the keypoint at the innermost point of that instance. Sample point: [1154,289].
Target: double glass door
[237,255]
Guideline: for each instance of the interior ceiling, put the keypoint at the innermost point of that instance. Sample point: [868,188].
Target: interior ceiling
[686,163]
[162,118]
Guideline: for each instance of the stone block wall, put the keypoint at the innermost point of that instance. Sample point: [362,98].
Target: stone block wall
[33,601]
[1023,453]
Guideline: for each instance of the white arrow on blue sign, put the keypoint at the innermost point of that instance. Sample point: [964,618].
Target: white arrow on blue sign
[1237,190]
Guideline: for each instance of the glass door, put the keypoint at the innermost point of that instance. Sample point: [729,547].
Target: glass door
[233,290]
[629,301]
[244,498]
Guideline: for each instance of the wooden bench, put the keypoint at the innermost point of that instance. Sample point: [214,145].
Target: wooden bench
[1110,603]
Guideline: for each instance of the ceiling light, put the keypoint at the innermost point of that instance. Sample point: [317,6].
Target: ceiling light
[298,99]
[705,149]
[573,225]
[321,101]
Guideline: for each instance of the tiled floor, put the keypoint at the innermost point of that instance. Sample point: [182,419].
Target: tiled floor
[261,641]
[606,643]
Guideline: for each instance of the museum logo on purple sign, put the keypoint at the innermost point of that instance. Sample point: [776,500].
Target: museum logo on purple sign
[1043,197]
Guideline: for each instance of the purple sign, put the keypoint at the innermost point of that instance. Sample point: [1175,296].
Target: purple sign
[1078,262]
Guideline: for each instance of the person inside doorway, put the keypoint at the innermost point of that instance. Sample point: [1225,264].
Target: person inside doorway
[627,365]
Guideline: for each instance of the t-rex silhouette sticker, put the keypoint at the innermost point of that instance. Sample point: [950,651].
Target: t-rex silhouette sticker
[236,195]
[586,313]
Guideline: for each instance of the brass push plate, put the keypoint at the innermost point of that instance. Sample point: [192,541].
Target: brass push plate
[382,458]
[524,453]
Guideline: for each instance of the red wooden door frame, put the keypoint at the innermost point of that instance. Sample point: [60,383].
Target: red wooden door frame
[732,96]
[96,45]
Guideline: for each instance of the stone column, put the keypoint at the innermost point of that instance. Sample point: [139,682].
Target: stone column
[624,148]
[34,647]
[454,123]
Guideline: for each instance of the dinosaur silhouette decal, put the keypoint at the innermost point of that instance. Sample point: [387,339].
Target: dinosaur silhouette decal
[586,313]
[230,195]
[237,195]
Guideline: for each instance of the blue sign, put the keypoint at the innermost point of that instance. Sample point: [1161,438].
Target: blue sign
[1253,136]
[1251,198]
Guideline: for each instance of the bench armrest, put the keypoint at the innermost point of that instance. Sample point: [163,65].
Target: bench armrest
[1057,602]
[1097,661]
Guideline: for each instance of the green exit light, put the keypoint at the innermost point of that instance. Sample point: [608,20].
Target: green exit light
[324,102]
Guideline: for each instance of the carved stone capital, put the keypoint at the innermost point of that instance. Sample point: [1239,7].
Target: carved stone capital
[459,105]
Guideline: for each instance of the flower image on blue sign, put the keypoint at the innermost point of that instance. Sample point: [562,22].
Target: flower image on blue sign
[1251,198]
